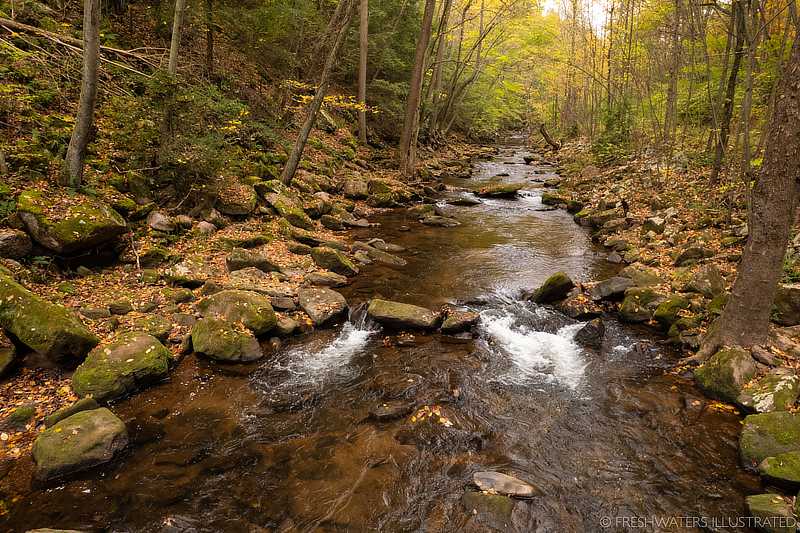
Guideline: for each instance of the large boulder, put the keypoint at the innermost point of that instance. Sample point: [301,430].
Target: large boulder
[400,315]
[235,198]
[668,311]
[251,309]
[191,272]
[222,341]
[291,210]
[240,258]
[786,309]
[14,244]
[355,189]
[777,390]
[68,224]
[117,368]
[321,304]
[638,305]
[774,512]
[724,375]
[333,260]
[81,441]
[47,328]
[783,469]
[707,280]
[388,193]
[611,289]
[500,190]
[555,288]
[767,435]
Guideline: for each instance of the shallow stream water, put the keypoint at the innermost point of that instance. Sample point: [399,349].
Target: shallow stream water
[287,444]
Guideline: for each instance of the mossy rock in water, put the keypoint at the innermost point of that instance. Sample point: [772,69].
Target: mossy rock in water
[554,198]
[251,309]
[777,390]
[783,469]
[767,435]
[290,210]
[500,190]
[81,441]
[400,315]
[52,330]
[555,288]
[333,260]
[68,224]
[773,512]
[118,368]
[668,311]
[422,210]
[490,511]
[222,341]
[725,373]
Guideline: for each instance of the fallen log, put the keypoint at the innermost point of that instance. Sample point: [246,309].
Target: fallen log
[555,146]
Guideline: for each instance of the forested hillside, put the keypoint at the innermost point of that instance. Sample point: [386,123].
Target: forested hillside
[399,265]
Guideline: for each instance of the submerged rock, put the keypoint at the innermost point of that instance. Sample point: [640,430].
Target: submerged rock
[555,288]
[221,341]
[499,483]
[400,315]
[81,441]
[47,328]
[724,375]
[767,435]
[251,309]
[391,410]
[441,222]
[69,224]
[458,321]
[118,368]
[333,260]
[322,305]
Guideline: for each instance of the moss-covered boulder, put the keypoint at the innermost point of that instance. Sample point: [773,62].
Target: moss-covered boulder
[334,260]
[554,198]
[47,328]
[598,219]
[500,190]
[81,441]
[18,418]
[786,309]
[291,210]
[7,353]
[223,341]
[322,305]
[638,304]
[251,309]
[555,288]
[777,390]
[641,275]
[388,193]
[767,435]
[154,325]
[191,272]
[488,512]
[240,258]
[724,375]
[68,224]
[400,315]
[84,404]
[355,189]
[668,311]
[235,198]
[706,280]
[773,513]
[783,469]
[118,368]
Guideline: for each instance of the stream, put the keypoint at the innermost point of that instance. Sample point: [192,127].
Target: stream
[288,444]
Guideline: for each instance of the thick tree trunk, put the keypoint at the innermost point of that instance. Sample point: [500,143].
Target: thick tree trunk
[745,319]
[72,173]
[344,12]
[362,71]
[408,150]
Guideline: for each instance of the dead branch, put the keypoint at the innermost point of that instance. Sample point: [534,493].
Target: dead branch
[555,146]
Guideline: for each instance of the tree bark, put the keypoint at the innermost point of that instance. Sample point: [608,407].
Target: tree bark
[72,174]
[344,12]
[745,318]
[209,38]
[407,147]
[362,71]
[177,22]
[671,110]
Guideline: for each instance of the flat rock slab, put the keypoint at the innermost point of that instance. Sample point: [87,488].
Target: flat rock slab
[391,410]
[402,315]
[322,304]
[326,279]
[500,483]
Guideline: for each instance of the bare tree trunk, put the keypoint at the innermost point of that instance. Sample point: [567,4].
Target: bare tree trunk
[408,150]
[72,173]
[210,38]
[344,12]
[177,22]
[436,82]
[745,319]
[671,111]
[362,71]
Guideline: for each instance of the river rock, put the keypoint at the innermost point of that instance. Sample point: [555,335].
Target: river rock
[499,483]
[786,308]
[81,441]
[117,368]
[707,280]
[692,254]
[598,219]
[47,328]
[458,321]
[7,353]
[489,512]
[725,373]
[641,276]
[84,404]
[235,198]
[291,210]
[767,435]
[638,305]
[191,272]
[355,189]
[321,304]
[579,307]
[158,221]
[154,325]
[773,511]
[388,193]
[777,390]
[440,222]
[611,288]
[70,224]
[783,469]
[326,279]
[500,190]
[591,335]
[400,315]
[239,259]
[391,410]
[555,288]
[49,530]
[333,260]
[464,201]
[668,311]
[221,341]
[251,309]
[14,244]
[380,256]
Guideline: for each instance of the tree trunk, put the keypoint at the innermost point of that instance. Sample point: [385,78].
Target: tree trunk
[362,71]
[671,111]
[438,67]
[344,12]
[745,319]
[407,148]
[210,38]
[177,22]
[72,174]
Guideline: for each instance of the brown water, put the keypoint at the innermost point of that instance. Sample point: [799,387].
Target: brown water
[287,444]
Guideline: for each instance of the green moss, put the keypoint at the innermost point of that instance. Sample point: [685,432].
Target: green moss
[767,435]
[724,374]
[668,311]
[219,340]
